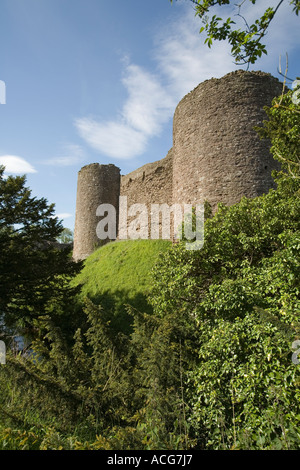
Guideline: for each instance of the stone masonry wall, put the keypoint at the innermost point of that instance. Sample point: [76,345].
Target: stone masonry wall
[97,184]
[217,154]
[150,184]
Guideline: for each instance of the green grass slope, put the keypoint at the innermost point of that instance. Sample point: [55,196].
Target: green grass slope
[119,274]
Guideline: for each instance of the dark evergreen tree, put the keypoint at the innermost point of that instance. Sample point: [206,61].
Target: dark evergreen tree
[34,270]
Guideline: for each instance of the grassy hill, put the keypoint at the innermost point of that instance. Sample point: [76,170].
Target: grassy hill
[118,274]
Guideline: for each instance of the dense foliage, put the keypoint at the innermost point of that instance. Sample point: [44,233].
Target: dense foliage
[208,367]
[241,291]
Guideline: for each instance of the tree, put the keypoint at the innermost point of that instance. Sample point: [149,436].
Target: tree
[283,129]
[246,43]
[66,236]
[240,295]
[34,272]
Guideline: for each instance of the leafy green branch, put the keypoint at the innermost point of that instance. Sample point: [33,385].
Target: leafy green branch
[246,43]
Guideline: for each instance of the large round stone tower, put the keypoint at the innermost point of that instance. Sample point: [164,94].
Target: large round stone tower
[97,184]
[218,156]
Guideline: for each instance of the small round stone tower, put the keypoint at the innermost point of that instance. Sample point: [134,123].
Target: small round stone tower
[218,156]
[97,184]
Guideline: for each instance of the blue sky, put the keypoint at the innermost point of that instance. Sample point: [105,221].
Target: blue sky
[98,81]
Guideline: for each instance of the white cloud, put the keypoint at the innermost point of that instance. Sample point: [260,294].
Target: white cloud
[149,105]
[181,62]
[183,57]
[64,215]
[146,109]
[152,98]
[70,154]
[16,165]
[114,139]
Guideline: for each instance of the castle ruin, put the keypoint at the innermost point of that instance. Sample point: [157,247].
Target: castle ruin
[217,156]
